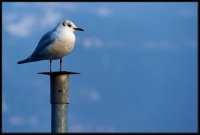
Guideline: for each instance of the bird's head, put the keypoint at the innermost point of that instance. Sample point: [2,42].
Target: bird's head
[69,25]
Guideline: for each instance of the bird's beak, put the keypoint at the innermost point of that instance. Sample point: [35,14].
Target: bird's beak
[79,29]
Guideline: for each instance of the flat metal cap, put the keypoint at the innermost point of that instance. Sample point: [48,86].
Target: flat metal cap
[59,73]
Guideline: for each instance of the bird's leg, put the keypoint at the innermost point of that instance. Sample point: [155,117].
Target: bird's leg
[60,64]
[50,63]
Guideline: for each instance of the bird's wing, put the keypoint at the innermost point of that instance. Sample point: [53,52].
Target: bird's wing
[45,41]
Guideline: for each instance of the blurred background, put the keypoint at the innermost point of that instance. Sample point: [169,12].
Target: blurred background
[138,64]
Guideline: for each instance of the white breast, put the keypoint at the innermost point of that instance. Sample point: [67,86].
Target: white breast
[62,46]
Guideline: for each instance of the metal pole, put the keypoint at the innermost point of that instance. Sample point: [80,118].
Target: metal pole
[59,103]
[59,96]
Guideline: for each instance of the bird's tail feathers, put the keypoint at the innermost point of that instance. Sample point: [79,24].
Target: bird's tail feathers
[29,59]
[23,61]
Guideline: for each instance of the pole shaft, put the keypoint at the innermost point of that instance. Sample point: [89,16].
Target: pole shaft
[59,118]
[59,103]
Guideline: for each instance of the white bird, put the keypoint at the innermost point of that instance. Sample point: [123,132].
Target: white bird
[55,44]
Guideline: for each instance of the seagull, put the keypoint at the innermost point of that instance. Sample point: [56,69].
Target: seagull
[55,44]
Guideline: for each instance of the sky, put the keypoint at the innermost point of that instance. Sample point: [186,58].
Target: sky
[138,65]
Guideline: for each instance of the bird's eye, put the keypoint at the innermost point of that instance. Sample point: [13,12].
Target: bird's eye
[63,23]
[69,25]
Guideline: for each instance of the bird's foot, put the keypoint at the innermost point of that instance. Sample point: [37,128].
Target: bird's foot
[60,64]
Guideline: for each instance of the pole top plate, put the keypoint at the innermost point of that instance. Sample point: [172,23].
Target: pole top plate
[58,73]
